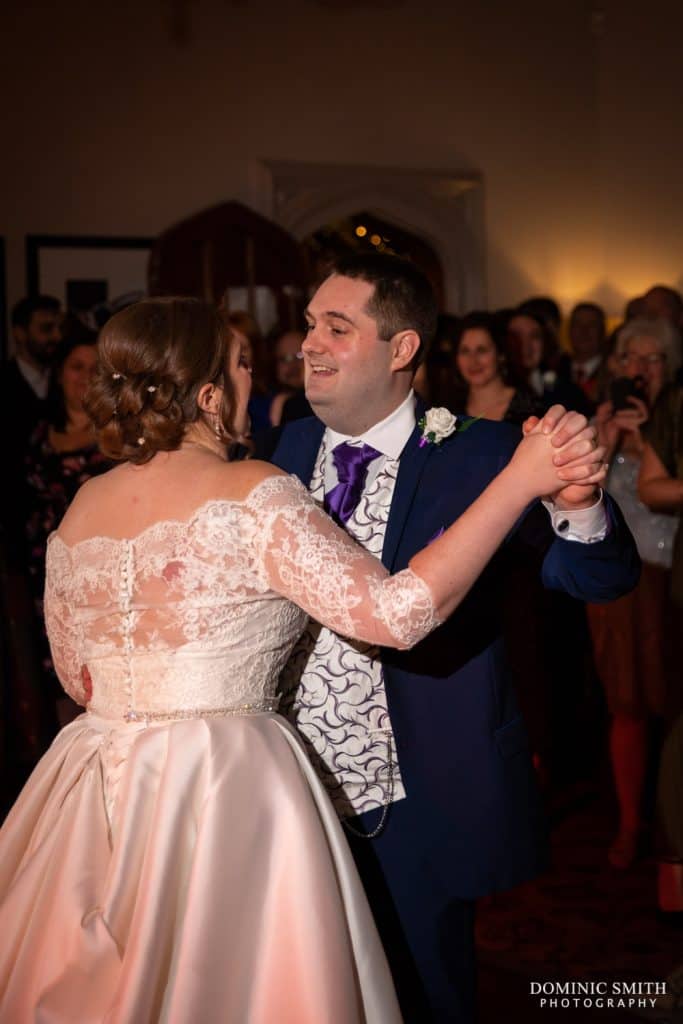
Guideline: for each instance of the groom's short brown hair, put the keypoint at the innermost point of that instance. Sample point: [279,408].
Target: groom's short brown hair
[403,298]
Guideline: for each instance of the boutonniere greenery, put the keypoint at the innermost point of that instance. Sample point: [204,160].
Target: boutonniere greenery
[438,424]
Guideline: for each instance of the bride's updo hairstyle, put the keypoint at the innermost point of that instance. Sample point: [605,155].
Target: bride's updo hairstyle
[153,359]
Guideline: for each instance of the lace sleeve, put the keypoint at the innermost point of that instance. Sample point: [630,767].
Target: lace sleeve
[300,553]
[62,630]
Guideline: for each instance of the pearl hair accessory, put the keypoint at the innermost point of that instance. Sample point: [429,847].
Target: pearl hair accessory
[141,440]
[152,388]
[117,376]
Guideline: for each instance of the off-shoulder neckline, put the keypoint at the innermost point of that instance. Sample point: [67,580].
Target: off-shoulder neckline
[187,524]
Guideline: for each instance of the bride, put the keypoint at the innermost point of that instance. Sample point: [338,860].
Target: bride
[174,857]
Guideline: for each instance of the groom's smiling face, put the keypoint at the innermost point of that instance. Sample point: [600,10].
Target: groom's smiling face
[350,372]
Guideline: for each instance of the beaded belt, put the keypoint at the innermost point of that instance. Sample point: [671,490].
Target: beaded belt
[173,716]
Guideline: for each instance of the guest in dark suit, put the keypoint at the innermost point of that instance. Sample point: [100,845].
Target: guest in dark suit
[533,358]
[24,381]
[585,365]
[37,331]
[424,752]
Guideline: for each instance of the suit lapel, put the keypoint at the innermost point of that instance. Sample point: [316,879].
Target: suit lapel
[298,447]
[411,467]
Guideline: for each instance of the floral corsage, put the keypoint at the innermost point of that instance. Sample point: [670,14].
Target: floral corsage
[436,425]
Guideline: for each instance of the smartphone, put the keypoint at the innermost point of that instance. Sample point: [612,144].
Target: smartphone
[623,388]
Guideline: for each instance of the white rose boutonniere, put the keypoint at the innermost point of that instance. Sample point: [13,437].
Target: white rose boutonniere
[437,424]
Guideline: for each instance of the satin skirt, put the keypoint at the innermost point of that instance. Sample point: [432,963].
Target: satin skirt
[189,872]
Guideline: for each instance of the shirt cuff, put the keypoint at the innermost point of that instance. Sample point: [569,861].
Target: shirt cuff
[585,525]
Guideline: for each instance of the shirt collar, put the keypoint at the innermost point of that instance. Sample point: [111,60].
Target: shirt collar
[37,379]
[389,436]
[589,367]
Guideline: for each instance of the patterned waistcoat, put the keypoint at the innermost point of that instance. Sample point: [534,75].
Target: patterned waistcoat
[333,688]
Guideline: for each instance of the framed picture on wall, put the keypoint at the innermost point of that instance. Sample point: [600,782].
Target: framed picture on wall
[86,270]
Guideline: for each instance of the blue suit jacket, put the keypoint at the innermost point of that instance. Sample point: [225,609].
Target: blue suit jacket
[472,813]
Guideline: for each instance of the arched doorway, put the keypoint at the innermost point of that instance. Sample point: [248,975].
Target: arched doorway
[445,209]
[366,231]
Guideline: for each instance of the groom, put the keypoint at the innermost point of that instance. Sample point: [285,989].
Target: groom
[423,752]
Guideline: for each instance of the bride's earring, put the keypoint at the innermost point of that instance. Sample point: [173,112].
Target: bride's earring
[215,420]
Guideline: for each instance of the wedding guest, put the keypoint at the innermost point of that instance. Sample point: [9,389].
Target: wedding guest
[488,386]
[533,357]
[662,302]
[435,379]
[635,308]
[24,382]
[36,332]
[632,636]
[61,455]
[660,487]
[585,366]
[289,380]
[249,337]
[545,309]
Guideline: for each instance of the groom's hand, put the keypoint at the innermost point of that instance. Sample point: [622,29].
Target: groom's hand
[569,429]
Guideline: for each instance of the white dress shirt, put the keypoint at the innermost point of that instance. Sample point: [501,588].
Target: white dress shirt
[587,369]
[389,437]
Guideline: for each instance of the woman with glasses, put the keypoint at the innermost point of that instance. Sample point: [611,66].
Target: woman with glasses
[631,635]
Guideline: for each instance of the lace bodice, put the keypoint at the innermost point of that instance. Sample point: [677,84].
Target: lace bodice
[200,615]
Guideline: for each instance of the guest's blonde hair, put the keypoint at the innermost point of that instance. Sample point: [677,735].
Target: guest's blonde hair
[661,331]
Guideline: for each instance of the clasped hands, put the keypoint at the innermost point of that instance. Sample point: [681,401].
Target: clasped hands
[577,460]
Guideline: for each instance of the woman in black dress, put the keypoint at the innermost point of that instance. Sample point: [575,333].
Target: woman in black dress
[61,455]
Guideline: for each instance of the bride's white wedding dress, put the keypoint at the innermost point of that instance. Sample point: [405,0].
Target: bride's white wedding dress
[174,857]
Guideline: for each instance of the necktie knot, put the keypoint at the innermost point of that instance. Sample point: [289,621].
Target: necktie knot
[351,462]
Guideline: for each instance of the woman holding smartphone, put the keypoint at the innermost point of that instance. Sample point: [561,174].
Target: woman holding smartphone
[630,636]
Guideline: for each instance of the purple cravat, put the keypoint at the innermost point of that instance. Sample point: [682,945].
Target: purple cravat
[351,462]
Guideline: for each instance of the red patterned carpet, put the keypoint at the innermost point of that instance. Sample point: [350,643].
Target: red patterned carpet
[583,921]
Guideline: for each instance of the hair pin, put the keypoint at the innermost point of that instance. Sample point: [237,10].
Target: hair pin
[141,440]
[117,376]
[152,388]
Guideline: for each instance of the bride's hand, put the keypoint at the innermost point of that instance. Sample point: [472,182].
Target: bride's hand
[565,427]
[545,469]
